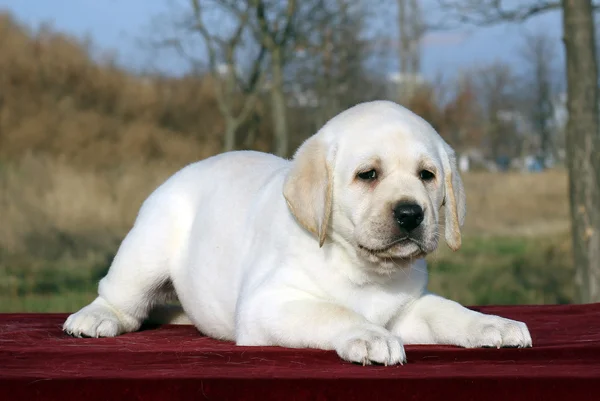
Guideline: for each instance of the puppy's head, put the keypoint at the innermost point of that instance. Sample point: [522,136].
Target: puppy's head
[374,178]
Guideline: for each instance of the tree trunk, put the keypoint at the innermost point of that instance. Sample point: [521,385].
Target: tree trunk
[544,111]
[582,143]
[278,108]
[229,135]
[403,50]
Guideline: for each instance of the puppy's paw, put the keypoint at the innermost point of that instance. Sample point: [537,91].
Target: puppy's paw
[94,320]
[495,331]
[366,346]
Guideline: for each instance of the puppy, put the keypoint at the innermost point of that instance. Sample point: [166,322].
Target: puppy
[323,251]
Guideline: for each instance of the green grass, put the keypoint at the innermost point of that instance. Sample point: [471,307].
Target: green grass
[46,303]
[505,270]
[63,276]
[56,273]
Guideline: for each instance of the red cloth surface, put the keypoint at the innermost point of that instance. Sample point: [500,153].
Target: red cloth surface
[39,362]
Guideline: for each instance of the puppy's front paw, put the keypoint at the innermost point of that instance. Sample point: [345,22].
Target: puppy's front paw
[366,346]
[94,320]
[495,331]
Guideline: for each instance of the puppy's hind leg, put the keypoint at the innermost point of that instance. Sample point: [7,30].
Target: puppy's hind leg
[137,280]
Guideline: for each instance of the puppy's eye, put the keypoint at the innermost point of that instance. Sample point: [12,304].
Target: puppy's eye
[426,175]
[368,175]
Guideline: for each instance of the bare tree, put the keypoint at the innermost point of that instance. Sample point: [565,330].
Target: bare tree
[495,87]
[539,53]
[462,116]
[332,68]
[412,30]
[333,65]
[277,26]
[583,144]
[237,84]
[282,26]
[275,31]
[582,133]
[274,27]
[488,12]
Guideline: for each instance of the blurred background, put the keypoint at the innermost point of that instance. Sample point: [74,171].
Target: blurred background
[100,101]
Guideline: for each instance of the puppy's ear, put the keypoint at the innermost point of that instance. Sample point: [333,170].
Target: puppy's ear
[308,188]
[454,198]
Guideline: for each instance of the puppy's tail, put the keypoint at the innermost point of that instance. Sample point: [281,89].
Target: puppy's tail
[168,314]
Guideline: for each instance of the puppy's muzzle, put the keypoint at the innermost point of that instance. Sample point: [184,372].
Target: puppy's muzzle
[408,216]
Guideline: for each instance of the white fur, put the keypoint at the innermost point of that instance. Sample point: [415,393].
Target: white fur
[246,267]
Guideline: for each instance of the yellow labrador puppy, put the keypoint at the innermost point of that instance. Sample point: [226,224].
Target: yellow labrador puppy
[323,251]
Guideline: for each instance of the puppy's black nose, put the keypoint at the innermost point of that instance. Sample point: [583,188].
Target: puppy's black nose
[408,215]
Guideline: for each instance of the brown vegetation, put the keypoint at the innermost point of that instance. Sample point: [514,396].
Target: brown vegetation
[56,100]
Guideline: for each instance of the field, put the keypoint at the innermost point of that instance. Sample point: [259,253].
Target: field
[61,228]
[83,142]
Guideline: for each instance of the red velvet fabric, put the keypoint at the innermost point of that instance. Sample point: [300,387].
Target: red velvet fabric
[39,362]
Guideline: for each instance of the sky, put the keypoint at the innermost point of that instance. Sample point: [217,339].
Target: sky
[121,25]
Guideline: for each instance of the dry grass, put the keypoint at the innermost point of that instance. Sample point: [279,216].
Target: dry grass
[43,195]
[58,101]
[517,204]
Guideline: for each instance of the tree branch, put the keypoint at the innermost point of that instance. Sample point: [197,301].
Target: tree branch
[256,73]
[266,36]
[490,12]
[289,22]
